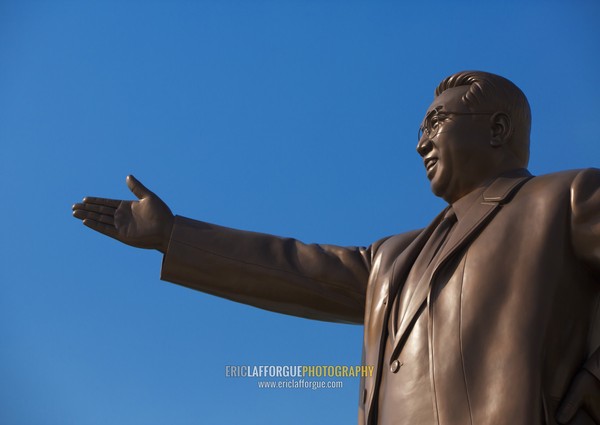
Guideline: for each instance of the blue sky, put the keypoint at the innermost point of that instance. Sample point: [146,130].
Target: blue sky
[296,118]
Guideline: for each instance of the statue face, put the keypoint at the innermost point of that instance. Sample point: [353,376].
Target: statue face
[455,146]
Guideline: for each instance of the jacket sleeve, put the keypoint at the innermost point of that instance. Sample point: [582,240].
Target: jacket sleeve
[284,275]
[585,230]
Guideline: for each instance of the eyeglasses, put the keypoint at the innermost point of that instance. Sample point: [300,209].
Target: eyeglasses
[434,119]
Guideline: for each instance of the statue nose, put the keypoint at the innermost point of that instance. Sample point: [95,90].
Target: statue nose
[424,146]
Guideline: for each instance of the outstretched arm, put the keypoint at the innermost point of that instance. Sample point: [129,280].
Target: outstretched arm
[322,282]
[145,223]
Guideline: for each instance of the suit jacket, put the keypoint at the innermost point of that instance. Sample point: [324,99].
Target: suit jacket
[503,347]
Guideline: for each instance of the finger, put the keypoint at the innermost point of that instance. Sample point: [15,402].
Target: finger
[80,214]
[114,203]
[138,188]
[101,218]
[95,208]
[570,404]
[101,227]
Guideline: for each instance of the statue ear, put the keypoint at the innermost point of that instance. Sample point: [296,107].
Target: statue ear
[500,129]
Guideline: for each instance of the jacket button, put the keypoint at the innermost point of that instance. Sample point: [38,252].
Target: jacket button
[395,366]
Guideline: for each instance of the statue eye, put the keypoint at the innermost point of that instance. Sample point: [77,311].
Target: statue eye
[434,122]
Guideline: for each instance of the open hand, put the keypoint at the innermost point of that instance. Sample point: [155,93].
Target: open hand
[146,223]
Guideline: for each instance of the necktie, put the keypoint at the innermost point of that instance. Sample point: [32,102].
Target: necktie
[435,243]
[429,252]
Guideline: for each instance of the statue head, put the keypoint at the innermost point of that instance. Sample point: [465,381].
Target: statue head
[476,128]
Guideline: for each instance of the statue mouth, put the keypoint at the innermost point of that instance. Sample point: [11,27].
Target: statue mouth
[430,164]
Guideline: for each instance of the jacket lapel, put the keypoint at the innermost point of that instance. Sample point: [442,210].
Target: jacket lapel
[477,217]
[403,263]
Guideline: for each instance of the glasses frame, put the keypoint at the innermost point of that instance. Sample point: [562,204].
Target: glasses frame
[424,127]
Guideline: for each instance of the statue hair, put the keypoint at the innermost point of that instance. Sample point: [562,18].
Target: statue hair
[495,93]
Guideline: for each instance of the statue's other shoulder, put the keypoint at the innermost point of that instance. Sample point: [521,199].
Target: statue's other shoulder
[562,185]
[568,176]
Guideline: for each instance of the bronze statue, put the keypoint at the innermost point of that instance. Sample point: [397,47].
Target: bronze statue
[490,315]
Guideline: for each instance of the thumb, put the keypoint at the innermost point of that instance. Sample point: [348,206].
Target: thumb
[138,188]
[569,406]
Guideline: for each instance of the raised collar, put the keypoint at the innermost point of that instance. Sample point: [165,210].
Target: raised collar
[497,190]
